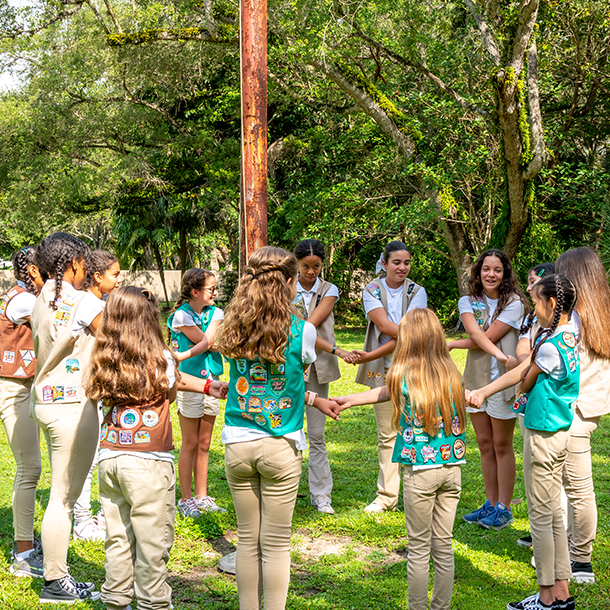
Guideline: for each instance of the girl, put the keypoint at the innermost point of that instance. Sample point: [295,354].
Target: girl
[385,301]
[550,388]
[492,315]
[193,319]
[132,372]
[586,271]
[17,369]
[426,392]
[103,271]
[268,348]
[63,326]
[315,300]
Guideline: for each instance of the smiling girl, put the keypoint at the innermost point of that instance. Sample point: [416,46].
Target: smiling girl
[492,315]
[385,301]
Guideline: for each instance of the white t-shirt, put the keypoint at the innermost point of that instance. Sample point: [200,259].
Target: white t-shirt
[548,357]
[240,434]
[164,456]
[307,295]
[20,306]
[394,310]
[512,315]
[186,318]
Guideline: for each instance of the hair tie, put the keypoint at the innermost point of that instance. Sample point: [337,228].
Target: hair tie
[147,294]
[254,276]
[541,273]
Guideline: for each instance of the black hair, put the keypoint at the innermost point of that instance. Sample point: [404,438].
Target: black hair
[394,246]
[309,247]
[55,254]
[99,262]
[21,259]
[543,269]
[560,287]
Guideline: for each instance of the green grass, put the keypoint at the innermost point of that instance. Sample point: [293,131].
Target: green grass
[347,561]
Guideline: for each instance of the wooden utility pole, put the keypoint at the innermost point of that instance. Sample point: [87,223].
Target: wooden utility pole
[253,59]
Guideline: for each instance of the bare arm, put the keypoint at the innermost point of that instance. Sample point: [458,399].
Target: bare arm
[510,378]
[382,351]
[189,383]
[484,340]
[322,311]
[95,323]
[379,317]
[524,349]
[530,379]
[368,397]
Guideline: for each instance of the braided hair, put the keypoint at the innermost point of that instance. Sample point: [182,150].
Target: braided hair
[560,287]
[21,260]
[55,254]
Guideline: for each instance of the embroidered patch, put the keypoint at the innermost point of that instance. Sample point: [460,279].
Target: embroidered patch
[285,403]
[247,416]
[71,391]
[445,452]
[242,402]
[72,365]
[103,432]
[455,426]
[242,386]
[376,291]
[204,373]
[459,448]
[258,373]
[569,339]
[275,419]
[62,318]
[58,392]
[150,418]
[114,416]
[8,357]
[278,386]
[422,438]
[112,437]
[125,437]
[277,369]
[255,405]
[407,436]
[27,356]
[260,420]
[428,453]
[142,436]
[258,390]
[410,288]
[175,347]
[130,418]
[47,393]
[242,365]
[19,372]
[409,453]
[519,405]
[270,405]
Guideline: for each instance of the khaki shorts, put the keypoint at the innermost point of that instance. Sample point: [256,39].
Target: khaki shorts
[496,406]
[195,405]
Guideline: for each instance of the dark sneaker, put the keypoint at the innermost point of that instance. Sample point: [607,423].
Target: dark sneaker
[476,515]
[500,518]
[530,603]
[64,591]
[525,541]
[582,572]
[31,565]
[566,604]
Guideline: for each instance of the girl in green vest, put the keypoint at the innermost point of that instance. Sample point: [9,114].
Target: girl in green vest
[548,390]
[192,324]
[268,349]
[429,415]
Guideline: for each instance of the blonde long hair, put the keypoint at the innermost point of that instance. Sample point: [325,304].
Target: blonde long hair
[422,363]
[258,318]
[128,362]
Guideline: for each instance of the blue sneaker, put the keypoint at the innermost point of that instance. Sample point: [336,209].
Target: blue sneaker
[476,515]
[498,519]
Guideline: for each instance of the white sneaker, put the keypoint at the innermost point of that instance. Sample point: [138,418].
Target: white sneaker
[100,519]
[373,507]
[207,504]
[325,507]
[88,530]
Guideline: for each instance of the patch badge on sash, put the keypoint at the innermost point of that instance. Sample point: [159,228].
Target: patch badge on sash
[47,393]
[8,357]
[409,453]
[270,405]
[204,373]
[27,356]
[61,318]
[258,373]
[242,365]
[58,392]
[242,386]
[306,375]
[130,418]
[459,448]
[285,403]
[417,423]
[410,288]
[72,391]
[112,437]
[375,291]
[125,437]
[407,436]
[260,420]
[455,426]
[277,369]
[422,438]
[19,372]
[278,386]
[242,402]
[247,416]
[519,405]
[445,452]
[175,347]
[142,436]
[258,390]
[569,339]
[428,453]
[299,303]
[103,432]
[69,301]
[275,419]
[114,417]
[255,405]
[150,418]
[441,430]
[72,365]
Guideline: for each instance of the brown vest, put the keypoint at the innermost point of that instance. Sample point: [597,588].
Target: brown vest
[17,358]
[477,372]
[138,426]
[372,374]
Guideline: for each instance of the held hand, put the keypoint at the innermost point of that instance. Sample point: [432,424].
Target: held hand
[362,356]
[450,347]
[342,401]
[352,357]
[475,398]
[503,359]
[219,389]
[511,363]
[328,407]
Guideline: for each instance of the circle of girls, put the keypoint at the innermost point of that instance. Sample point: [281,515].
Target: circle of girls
[85,362]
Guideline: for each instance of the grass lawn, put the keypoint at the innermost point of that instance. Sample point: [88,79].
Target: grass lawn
[349,560]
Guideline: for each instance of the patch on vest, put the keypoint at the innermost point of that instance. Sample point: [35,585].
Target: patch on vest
[258,374]
[428,453]
[142,436]
[407,436]
[410,288]
[255,405]
[278,386]
[62,318]
[125,437]
[130,418]
[242,365]
[103,432]
[270,405]
[409,453]
[445,453]
[285,403]
[72,365]
[19,372]
[27,356]
[459,448]
[375,291]
[8,357]
[150,418]
[242,386]
[569,339]
[275,420]
[112,437]
[277,369]
[242,402]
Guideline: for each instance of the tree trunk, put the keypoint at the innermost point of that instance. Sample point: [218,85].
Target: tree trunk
[183,252]
[161,268]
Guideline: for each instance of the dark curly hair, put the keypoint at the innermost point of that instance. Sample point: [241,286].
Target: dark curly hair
[55,254]
[21,259]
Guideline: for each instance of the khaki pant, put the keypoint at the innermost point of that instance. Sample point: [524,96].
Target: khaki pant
[82,506]
[320,476]
[544,454]
[71,432]
[264,479]
[388,481]
[139,501]
[23,436]
[431,497]
[578,485]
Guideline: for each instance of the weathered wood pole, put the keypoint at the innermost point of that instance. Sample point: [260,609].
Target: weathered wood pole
[253,59]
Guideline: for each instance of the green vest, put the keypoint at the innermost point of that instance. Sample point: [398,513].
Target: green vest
[414,446]
[206,364]
[266,396]
[549,405]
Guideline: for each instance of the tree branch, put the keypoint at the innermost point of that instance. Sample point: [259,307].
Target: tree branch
[486,33]
[528,13]
[117,25]
[98,16]
[61,15]
[538,147]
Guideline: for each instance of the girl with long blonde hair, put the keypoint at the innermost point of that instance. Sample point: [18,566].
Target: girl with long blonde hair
[268,348]
[429,416]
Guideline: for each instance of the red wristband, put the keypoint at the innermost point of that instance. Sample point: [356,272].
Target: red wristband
[206,387]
